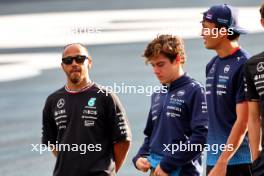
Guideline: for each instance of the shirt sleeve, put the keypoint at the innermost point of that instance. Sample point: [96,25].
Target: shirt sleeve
[239,85]
[117,118]
[250,88]
[199,127]
[49,128]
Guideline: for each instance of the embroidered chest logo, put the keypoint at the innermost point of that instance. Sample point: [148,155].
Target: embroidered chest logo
[212,70]
[227,68]
[260,67]
[180,93]
[91,101]
[60,103]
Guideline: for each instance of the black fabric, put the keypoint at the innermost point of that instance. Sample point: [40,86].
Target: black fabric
[254,79]
[93,119]
[258,165]
[235,170]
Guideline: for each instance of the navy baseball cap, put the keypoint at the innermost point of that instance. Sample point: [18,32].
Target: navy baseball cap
[224,15]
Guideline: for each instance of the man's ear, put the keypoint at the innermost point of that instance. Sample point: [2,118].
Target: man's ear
[90,63]
[177,59]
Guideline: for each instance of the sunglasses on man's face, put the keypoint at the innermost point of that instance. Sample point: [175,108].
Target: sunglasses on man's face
[78,59]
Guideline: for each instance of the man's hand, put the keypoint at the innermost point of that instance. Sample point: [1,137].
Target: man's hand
[143,164]
[218,170]
[160,172]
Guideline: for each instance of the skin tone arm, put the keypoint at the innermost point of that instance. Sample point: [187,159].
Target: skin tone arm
[120,153]
[55,153]
[254,129]
[235,139]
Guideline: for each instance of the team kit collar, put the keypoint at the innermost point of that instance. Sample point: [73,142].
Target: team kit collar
[178,82]
[90,84]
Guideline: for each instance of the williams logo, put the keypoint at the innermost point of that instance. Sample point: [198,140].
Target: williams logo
[180,93]
[227,68]
[91,102]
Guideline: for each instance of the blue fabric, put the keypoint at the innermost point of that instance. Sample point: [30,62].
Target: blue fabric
[154,161]
[224,15]
[225,89]
[177,116]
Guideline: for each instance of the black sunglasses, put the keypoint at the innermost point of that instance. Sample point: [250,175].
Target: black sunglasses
[78,59]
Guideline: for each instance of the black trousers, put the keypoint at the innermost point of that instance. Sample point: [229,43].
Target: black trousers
[235,170]
[258,165]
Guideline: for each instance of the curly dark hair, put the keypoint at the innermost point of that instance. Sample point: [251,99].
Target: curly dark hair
[168,45]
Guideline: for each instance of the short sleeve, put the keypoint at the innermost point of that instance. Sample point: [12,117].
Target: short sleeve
[239,86]
[250,88]
[49,128]
[119,125]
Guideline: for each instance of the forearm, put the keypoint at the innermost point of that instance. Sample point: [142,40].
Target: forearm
[235,139]
[237,133]
[55,153]
[120,152]
[254,129]
[254,133]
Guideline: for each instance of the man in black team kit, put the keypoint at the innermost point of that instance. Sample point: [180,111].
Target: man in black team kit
[254,74]
[86,125]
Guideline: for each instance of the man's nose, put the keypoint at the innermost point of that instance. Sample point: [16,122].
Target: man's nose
[74,62]
[156,70]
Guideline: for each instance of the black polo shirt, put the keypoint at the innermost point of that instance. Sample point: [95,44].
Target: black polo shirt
[84,127]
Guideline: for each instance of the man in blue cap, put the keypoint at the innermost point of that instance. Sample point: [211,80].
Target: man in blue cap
[254,71]
[227,106]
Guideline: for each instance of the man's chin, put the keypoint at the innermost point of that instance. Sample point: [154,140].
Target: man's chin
[163,81]
[75,80]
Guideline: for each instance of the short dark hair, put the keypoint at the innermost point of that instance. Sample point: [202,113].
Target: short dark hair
[167,45]
[80,44]
[261,10]
[231,37]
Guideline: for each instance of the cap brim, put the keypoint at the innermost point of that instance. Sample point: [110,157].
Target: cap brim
[239,30]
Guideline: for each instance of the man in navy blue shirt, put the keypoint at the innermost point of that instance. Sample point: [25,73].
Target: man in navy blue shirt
[254,74]
[225,95]
[176,128]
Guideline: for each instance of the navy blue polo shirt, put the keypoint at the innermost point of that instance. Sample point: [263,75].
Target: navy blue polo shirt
[225,89]
[177,117]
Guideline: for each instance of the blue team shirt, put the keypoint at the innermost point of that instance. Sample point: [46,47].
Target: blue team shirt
[225,89]
[177,116]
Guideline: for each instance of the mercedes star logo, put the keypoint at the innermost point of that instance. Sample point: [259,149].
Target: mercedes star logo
[260,67]
[60,103]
